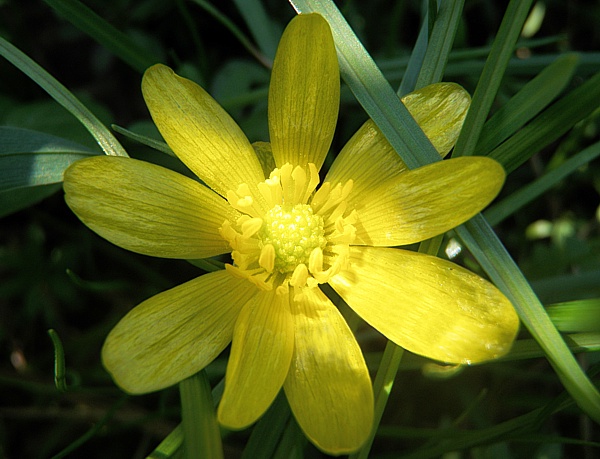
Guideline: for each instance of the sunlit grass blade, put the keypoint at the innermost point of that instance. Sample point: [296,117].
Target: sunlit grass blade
[202,437]
[576,316]
[491,77]
[525,349]
[549,125]
[532,98]
[170,447]
[30,158]
[526,194]
[104,33]
[64,97]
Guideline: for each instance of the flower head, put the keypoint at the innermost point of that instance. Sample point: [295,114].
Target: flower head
[286,235]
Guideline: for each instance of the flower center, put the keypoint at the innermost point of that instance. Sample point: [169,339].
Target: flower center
[294,232]
[290,235]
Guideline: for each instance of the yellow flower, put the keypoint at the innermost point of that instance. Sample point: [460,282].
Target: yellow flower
[286,236]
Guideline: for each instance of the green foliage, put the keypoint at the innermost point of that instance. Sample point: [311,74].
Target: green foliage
[536,101]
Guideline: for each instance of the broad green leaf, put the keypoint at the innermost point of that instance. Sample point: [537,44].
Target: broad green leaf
[30,158]
[527,103]
[104,33]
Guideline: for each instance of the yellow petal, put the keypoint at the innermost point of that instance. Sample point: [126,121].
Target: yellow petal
[328,386]
[304,94]
[428,201]
[368,158]
[427,305]
[176,333]
[146,208]
[199,131]
[261,351]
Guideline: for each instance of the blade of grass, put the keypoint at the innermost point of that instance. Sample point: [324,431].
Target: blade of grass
[263,30]
[549,125]
[491,77]
[536,95]
[202,437]
[440,42]
[109,144]
[104,33]
[524,195]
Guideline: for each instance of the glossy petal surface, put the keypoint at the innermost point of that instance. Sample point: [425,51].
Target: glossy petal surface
[368,158]
[261,351]
[176,333]
[146,208]
[427,305]
[199,131]
[304,94]
[328,387]
[425,202]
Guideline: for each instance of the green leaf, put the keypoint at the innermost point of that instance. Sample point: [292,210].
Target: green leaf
[491,77]
[536,95]
[96,27]
[576,316]
[12,201]
[64,97]
[30,158]
[202,437]
[265,32]
[549,125]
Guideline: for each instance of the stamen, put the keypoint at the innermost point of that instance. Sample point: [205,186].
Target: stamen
[267,258]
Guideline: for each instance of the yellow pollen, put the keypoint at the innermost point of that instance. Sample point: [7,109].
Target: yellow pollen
[291,235]
[293,232]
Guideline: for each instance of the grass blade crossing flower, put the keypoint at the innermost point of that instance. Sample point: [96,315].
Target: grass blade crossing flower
[286,235]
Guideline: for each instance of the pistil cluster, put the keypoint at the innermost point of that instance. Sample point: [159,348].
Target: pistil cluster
[290,235]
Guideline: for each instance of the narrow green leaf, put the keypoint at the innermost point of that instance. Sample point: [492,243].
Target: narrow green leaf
[415,62]
[576,316]
[268,431]
[483,243]
[549,125]
[524,195]
[170,447]
[202,438]
[491,77]
[14,200]
[536,95]
[104,33]
[237,33]
[59,362]
[145,140]
[30,158]
[440,42]
[265,32]
[64,97]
